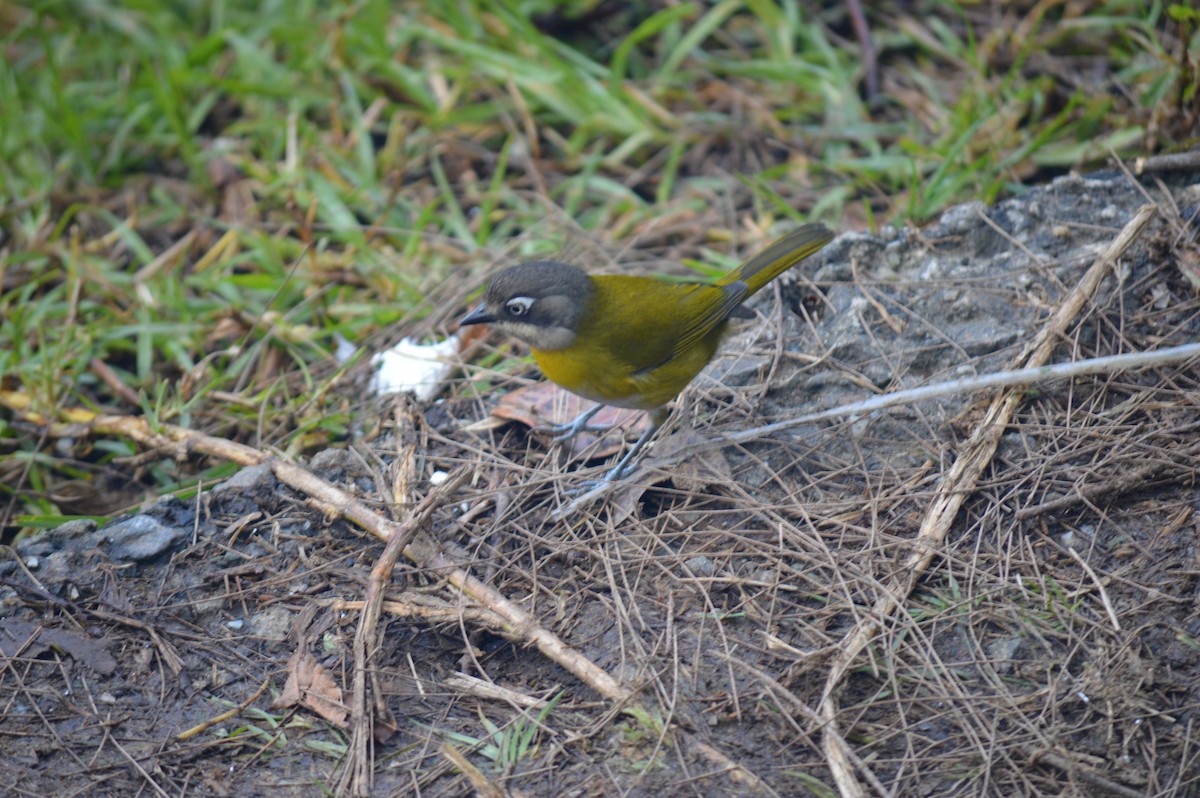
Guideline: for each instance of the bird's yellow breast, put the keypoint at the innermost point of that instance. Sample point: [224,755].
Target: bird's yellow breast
[627,348]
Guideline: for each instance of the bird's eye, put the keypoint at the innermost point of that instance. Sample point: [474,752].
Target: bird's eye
[518,306]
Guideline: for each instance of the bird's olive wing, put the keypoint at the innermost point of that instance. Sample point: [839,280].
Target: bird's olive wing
[708,306]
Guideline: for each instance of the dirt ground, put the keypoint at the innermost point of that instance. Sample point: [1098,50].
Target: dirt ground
[1050,647]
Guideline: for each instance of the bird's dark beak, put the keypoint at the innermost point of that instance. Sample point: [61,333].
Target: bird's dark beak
[477,316]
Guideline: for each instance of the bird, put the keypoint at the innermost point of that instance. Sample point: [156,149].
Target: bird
[624,340]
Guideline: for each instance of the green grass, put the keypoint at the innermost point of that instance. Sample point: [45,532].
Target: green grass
[334,163]
[508,746]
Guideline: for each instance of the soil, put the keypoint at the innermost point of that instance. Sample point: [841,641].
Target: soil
[1052,647]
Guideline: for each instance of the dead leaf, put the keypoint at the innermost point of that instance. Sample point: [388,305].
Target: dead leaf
[697,472]
[625,501]
[385,726]
[238,206]
[310,685]
[1189,264]
[90,651]
[544,404]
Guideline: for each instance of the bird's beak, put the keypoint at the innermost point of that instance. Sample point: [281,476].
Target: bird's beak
[477,316]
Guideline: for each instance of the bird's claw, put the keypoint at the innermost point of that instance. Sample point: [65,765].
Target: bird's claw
[561,433]
[565,432]
[587,486]
[607,481]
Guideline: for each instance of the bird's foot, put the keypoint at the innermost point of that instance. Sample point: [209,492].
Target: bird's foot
[561,433]
[596,487]
[577,426]
[601,485]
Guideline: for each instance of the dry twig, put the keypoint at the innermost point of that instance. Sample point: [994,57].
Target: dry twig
[356,776]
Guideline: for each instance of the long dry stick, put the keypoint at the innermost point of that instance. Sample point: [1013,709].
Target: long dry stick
[1108,364]
[957,485]
[424,553]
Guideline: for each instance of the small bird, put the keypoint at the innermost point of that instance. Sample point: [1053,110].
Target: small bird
[628,341]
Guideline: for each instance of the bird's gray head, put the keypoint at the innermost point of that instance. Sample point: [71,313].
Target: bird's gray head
[542,303]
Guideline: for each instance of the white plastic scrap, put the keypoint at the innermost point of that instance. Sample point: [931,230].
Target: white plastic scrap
[420,369]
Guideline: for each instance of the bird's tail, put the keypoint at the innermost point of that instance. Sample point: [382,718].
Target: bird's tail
[780,256]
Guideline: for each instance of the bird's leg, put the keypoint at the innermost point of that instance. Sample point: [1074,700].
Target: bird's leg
[625,464]
[565,432]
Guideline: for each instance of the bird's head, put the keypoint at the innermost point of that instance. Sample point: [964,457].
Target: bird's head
[541,303]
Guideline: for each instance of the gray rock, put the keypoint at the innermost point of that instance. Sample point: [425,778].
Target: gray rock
[248,479]
[273,623]
[1002,652]
[140,538]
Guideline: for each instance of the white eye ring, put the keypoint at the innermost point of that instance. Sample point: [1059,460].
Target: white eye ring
[519,306]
